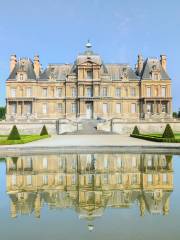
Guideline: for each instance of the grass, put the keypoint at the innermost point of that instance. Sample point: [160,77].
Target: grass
[24,139]
[157,137]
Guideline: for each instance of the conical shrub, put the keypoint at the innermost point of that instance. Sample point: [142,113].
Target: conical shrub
[44,131]
[168,132]
[14,134]
[136,131]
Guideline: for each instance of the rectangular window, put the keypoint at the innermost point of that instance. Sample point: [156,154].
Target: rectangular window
[118,92]
[73,108]
[74,92]
[89,92]
[73,179]
[119,179]
[89,74]
[104,91]
[163,92]
[134,161]
[118,107]
[105,107]
[14,108]
[149,108]
[149,163]
[28,163]
[134,179]
[133,92]
[164,107]
[21,77]
[106,163]
[60,179]
[13,180]
[119,162]
[133,107]
[90,178]
[44,108]
[59,92]
[150,178]
[45,92]
[148,91]
[156,76]
[29,92]
[29,180]
[59,107]
[45,163]
[164,178]
[28,107]
[105,180]
[13,92]
[45,179]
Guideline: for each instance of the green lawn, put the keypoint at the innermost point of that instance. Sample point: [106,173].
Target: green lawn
[157,137]
[24,139]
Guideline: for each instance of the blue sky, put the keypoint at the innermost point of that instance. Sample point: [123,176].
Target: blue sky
[58,29]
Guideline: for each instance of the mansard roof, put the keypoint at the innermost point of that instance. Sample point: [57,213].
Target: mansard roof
[23,65]
[153,64]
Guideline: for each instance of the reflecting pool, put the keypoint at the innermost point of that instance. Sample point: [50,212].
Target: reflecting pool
[90,196]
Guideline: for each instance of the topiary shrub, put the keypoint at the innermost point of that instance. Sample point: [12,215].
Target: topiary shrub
[14,134]
[168,132]
[136,131]
[44,131]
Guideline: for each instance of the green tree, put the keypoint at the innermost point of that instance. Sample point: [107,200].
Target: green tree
[168,132]
[136,131]
[14,134]
[44,131]
[2,112]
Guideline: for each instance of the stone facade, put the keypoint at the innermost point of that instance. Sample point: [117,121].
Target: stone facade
[88,89]
[89,183]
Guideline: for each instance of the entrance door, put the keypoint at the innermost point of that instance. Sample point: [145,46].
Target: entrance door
[89,110]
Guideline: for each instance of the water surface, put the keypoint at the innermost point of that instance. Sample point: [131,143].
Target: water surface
[90,196]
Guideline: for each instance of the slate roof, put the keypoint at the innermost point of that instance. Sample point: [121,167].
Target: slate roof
[151,63]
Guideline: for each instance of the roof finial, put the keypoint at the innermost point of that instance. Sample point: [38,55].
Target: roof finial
[88,44]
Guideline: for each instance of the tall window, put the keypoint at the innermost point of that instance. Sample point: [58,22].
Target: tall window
[59,107]
[13,92]
[89,92]
[90,74]
[118,107]
[164,107]
[29,108]
[45,92]
[156,76]
[59,92]
[13,180]
[133,107]
[133,92]
[104,91]
[164,178]
[44,108]
[119,179]
[21,77]
[149,107]
[150,178]
[29,180]
[163,93]
[148,91]
[74,92]
[118,92]
[73,108]
[105,107]
[45,179]
[45,163]
[14,108]
[29,92]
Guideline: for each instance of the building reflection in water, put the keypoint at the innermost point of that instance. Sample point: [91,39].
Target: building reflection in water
[89,183]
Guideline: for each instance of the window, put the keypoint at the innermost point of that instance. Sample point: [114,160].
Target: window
[156,76]
[60,179]
[119,162]
[118,92]
[133,92]
[74,92]
[118,107]
[134,179]
[73,108]
[89,92]
[106,163]
[73,179]
[45,163]
[45,179]
[126,92]
[29,108]
[105,180]
[29,92]
[29,180]
[59,107]
[89,74]
[149,163]
[119,179]
[164,107]
[105,107]
[21,77]
[90,178]
[149,108]
[44,108]
[164,178]
[59,92]
[28,163]
[163,92]
[14,108]
[13,180]
[45,92]
[133,107]
[149,178]
[104,91]
[13,92]
[148,91]
[61,163]
[134,162]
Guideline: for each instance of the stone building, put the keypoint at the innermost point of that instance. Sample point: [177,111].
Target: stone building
[88,89]
[89,183]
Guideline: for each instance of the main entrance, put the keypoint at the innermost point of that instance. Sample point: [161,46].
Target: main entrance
[89,110]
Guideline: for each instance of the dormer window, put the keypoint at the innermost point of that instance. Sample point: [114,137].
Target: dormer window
[156,76]
[21,77]
[90,74]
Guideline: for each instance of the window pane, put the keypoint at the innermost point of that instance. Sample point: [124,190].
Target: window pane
[118,108]
[148,92]
[105,108]
[89,74]
[133,107]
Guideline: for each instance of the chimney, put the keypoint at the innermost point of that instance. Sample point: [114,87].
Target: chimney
[13,61]
[163,60]
[140,63]
[37,66]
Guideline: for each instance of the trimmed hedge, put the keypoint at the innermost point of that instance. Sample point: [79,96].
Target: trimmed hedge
[168,132]
[44,131]
[136,131]
[14,134]
[156,139]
